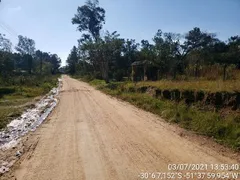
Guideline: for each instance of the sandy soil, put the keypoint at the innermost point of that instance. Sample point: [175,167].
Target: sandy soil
[96,137]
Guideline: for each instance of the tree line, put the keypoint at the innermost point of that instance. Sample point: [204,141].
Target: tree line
[25,60]
[104,54]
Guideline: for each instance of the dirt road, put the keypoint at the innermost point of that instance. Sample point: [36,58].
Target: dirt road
[96,137]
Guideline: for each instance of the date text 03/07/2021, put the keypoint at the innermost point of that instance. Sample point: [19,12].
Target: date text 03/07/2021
[195,171]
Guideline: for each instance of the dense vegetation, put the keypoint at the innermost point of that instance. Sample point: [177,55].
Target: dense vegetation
[105,55]
[26,62]
[25,73]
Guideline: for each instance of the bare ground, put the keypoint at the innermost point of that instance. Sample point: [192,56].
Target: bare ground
[93,136]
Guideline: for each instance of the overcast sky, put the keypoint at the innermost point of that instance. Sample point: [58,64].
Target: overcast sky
[48,22]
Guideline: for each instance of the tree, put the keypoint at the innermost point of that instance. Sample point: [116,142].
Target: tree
[227,54]
[130,54]
[108,56]
[196,39]
[147,51]
[111,48]
[55,62]
[72,60]
[89,52]
[6,61]
[195,45]
[167,53]
[5,44]
[172,43]
[39,56]
[26,47]
[47,59]
[130,50]
[6,64]
[162,53]
[90,17]
[234,50]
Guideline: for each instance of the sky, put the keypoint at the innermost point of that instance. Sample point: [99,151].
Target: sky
[48,22]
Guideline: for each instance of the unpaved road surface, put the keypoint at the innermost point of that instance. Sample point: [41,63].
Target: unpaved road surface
[96,137]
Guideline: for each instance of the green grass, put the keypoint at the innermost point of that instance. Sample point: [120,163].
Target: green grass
[97,82]
[15,98]
[7,113]
[204,85]
[224,129]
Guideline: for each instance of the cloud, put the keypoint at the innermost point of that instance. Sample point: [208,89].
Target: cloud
[14,9]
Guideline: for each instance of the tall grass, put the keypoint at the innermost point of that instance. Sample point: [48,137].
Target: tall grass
[204,85]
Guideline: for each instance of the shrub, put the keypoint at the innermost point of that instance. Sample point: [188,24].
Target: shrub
[6,90]
[166,94]
[118,75]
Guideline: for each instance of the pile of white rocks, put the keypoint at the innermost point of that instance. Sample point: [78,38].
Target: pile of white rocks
[28,121]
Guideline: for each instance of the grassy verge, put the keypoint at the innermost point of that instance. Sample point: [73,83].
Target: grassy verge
[15,98]
[224,129]
[204,85]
